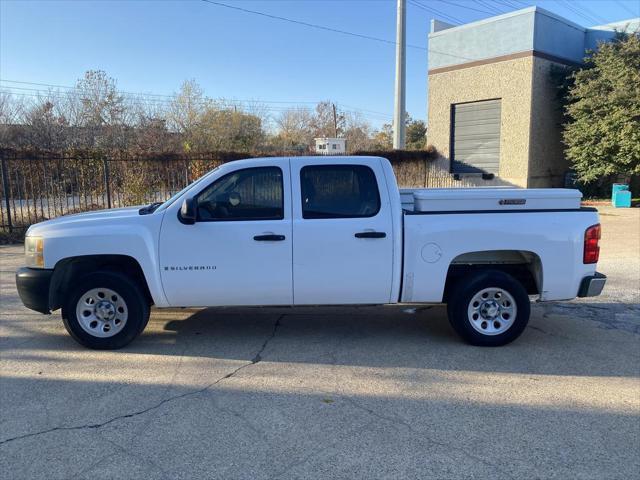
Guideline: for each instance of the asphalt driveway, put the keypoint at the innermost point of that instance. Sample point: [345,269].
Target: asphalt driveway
[330,393]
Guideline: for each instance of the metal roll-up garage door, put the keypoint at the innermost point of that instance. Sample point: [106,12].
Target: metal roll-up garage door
[475,137]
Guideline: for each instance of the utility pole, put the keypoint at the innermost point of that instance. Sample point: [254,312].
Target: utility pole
[399,107]
[335,121]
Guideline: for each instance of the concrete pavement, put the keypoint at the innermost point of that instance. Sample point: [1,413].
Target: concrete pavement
[330,393]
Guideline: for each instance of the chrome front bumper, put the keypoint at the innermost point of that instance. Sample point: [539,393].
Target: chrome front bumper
[592,285]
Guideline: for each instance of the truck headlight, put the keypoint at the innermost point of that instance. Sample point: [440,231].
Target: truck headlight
[34,252]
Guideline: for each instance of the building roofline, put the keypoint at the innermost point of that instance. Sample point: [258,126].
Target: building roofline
[612,25]
[515,13]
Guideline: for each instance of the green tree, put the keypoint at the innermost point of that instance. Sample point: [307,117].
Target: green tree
[416,134]
[415,131]
[602,133]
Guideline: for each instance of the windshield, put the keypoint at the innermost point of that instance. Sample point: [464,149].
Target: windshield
[191,185]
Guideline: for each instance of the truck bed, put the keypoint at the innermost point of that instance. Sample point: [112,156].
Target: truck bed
[488,199]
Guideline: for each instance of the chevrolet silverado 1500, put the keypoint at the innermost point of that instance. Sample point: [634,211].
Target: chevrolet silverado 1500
[314,231]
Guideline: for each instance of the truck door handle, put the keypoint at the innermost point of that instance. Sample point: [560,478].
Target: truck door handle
[371,235]
[269,238]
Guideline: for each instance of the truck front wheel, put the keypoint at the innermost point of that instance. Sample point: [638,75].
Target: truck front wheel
[106,311]
[489,308]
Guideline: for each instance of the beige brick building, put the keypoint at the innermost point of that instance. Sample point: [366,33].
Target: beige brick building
[492,115]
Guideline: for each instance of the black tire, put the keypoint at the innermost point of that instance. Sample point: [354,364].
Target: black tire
[459,306]
[130,293]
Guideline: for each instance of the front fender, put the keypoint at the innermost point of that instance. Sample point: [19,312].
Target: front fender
[132,237]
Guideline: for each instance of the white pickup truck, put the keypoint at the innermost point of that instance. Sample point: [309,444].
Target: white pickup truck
[314,231]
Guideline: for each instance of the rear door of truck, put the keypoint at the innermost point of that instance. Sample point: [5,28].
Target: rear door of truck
[342,231]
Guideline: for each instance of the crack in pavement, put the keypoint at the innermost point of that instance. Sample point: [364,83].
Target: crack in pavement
[90,426]
[608,317]
[168,388]
[312,455]
[551,334]
[396,418]
[237,415]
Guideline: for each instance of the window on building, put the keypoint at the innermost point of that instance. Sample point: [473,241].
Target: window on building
[339,191]
[248,194]
[475,137]
[334,146]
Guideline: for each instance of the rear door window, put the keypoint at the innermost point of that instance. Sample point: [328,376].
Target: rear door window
[339,191]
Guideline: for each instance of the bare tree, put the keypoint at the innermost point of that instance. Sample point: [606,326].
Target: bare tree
[101,102]
[94,110]
[10,113]
[357,132]
[323,121]
[151,132]
[295,128]
[185,111]
[383,139]
[44,126]
[227,129]
[94,114]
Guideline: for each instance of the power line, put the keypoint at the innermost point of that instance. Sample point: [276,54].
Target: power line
[363,109]
[491,7]
[146,94]
[168,99]
[508,3]
[310,25]
[465,6]
[40,94]
[598,17]
[569,6]
[521,3]
[495,4]
[433,11]
[628,9]
[442,15]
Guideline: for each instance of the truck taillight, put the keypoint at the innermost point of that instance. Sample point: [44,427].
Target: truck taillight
[591,244]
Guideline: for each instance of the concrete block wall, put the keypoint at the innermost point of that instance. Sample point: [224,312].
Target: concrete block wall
[547,162]
[509,80]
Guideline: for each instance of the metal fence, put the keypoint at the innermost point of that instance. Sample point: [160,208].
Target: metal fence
[39,186]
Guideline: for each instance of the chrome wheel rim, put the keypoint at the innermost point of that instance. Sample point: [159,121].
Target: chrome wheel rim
[492,311]
[102,312]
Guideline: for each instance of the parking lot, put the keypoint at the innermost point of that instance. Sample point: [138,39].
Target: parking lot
[331,393]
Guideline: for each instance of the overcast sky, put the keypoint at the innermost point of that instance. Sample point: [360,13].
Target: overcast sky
[152,46]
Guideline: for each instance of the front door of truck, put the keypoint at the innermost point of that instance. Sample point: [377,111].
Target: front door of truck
[343,232]
[239,251]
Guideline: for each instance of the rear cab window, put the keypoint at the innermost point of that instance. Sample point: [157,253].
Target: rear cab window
[339,191]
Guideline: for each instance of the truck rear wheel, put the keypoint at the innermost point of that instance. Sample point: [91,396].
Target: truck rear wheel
[489,308]
[106,311]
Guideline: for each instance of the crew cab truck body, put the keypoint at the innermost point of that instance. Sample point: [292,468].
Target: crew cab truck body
[314,231]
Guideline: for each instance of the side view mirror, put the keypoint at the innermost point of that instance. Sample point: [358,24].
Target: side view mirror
[188,211]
